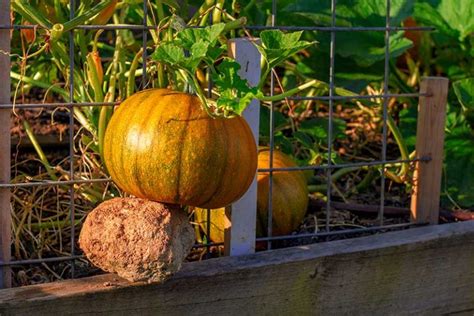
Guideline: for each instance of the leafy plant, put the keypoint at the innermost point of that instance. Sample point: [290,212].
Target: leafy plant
[452,55]
[193,48]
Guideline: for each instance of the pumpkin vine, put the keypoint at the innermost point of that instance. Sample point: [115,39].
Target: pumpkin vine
[188,49]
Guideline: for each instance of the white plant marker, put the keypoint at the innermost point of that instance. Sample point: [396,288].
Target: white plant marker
[242,215]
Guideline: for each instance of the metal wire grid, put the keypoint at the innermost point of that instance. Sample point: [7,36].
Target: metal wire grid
[333,29]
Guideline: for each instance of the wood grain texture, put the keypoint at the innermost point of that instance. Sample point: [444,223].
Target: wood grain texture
[420,271]
[5,217]
[429,143]
[240,234]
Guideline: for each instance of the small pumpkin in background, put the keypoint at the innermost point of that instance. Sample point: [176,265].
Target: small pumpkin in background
[289,194]
[162,145]
[218,223]
[289,200]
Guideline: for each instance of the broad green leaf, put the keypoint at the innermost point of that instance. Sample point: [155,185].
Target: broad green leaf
[283,143]
[200,44]
[278,46]
[426,14]
[304,139]
[235,93]
[280,121]
[352,12]
[451,17]
[459,161]
[369,48]
[318,128]
[208,34]
[459,14]
[464,90]
[174,55]
[169,53]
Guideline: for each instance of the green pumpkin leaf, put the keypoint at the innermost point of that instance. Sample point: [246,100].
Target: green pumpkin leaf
[464,90]
[200,44]
[235,92]
[459,165]
[208,34]
[278,46]
[173,55]
[317,128]
[169,53]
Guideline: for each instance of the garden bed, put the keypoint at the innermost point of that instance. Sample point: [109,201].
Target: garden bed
[425,270]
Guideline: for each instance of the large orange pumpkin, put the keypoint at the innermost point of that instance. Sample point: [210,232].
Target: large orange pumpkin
[289,199]
[161,145]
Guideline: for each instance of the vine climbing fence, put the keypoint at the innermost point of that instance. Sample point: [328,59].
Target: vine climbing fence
[240,237]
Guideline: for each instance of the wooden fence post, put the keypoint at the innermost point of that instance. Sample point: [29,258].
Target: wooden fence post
[242,215]
[429,143]
[5,216]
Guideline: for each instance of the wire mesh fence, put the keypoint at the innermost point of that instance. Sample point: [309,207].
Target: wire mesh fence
[328,168]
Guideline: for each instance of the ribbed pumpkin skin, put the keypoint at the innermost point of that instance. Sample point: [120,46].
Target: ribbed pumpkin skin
[162,146]
[289,195]
[289,200]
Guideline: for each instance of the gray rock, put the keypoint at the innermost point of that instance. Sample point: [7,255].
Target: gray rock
[138,239]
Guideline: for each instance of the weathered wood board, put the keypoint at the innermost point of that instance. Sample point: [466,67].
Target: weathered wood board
[422,271]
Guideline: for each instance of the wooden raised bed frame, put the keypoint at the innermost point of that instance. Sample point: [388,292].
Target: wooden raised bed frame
[423,271]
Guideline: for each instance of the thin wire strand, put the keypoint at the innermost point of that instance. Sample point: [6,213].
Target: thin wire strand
[209,95]
[272,144]
[339,232]
[134,27]
[71,136]
[299,168]
[145,38]
[385,113]
[331,109]
[296,98]
[51,183]
[286,237]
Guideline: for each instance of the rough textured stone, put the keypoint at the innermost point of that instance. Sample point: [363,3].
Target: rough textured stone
[140,240]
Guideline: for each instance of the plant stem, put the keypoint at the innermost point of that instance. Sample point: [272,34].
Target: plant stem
[401,145]
[335,176]
[131,76]
[290,92]
[93,76]
[81,19]
[39,150]
[217,13]
[232,25]
[53,224]
[159,10]
[58,11]
[30,13]
[106,111]
[202,9]
[40,84]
